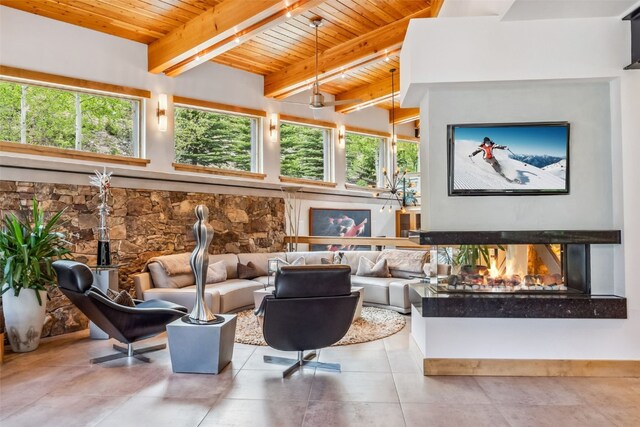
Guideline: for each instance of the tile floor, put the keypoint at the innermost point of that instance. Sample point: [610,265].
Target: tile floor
[380,386]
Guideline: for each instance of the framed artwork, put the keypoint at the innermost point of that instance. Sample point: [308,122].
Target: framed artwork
[509,158]
[339,223]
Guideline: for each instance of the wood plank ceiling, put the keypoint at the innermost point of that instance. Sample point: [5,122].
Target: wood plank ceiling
[359,40]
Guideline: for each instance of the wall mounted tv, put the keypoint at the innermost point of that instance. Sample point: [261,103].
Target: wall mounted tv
[508,158]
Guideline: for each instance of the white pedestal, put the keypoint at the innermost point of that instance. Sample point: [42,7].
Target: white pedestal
[201,349]
[103,279]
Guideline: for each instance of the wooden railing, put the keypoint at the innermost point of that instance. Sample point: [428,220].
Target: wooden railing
[399,242]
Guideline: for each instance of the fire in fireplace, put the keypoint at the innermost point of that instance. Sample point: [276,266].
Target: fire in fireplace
[537,268]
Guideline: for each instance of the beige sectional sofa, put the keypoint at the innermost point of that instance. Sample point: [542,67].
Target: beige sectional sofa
[236,294]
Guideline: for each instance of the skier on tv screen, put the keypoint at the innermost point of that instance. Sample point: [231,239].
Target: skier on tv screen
[486,148]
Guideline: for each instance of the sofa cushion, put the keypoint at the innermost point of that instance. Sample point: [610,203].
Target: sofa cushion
[294,261]
[217,272]
[162,280]
[352,258]
[260,260]
[405,263]
[185,297]
[368,268]
[265,280]
[235,293]
[376,289]
[248,271]
[230,261]
[310,257]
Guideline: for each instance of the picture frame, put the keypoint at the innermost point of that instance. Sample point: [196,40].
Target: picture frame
[339,222]
[518,159]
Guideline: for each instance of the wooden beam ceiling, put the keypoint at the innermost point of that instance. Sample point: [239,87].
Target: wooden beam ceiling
[368,95]
[189,49]
[356,52]
[404,115]
[356,37]
[224,22]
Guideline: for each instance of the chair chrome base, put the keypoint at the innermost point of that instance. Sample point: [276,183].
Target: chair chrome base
[129,351]
[301,361]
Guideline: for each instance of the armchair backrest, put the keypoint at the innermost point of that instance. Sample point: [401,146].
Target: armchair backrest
[312,307]
[312,281]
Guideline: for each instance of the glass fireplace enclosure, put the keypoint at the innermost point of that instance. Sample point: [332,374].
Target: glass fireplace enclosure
[510,268]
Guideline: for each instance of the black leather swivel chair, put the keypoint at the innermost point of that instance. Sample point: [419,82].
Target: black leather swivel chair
[311,308]
[123,323]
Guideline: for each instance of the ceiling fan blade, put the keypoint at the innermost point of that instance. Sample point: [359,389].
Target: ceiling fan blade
[345,101]
[294,103]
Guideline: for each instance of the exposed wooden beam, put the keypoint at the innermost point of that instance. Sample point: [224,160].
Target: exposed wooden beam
[354,53]
[404,115]
[242,32]
[368,95]
[436,5]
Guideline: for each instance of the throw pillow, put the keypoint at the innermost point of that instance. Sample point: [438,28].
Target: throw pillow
[122,298]
[248,271]
[217,272]
[325,261]
[297,261]
[367,268]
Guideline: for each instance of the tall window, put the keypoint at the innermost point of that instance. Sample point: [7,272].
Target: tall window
[53,117]
[408,156]
[304,151]
[363,159]
[216,139]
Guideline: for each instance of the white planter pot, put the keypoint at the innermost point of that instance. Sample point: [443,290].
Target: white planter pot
[24,318]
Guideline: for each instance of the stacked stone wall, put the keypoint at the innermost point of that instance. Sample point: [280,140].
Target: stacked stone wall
[144,224]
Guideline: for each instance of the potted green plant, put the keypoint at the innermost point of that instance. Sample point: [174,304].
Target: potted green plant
[27,249]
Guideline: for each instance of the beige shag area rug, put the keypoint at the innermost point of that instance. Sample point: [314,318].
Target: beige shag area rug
[374,323]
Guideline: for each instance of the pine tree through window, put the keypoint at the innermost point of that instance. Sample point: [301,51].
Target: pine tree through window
[363,159]
[215,139]
[303,150]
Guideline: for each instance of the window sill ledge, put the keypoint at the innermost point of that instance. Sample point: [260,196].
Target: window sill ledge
[361,188]
[305,181]
[38,150]
[218,171]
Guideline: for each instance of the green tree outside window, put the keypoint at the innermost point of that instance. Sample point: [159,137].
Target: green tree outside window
[363,159]
[302,151]
[407,155]
[46,116]
[207,138]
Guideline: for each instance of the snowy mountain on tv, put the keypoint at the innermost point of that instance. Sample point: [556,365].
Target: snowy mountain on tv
[476,174]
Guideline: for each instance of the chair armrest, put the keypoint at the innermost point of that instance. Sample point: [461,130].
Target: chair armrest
[142,282]
[259,311]
[158,303]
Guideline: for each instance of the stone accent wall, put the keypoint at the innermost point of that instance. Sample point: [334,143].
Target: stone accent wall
[144,224]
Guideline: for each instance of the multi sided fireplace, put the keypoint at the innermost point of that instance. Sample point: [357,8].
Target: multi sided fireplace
[514,274]
[522,268]
[513,261]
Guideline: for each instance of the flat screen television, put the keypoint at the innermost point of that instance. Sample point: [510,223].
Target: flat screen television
[508,158]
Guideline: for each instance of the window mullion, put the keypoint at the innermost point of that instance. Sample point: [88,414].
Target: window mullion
[23,115]
[78,122]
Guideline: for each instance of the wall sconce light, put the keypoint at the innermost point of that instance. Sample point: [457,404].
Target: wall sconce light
[341,135]
[273,126]
[161,112]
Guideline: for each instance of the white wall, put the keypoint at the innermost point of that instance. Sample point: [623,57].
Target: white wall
[35,43]
[485,70]
[584,106]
